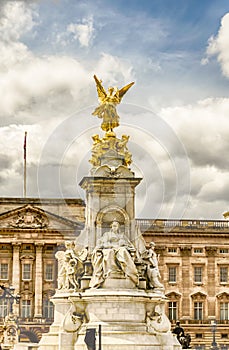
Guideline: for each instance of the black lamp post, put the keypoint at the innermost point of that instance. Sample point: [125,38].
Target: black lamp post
[8,294]
[214,344]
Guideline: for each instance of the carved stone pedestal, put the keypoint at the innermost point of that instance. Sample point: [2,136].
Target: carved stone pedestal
[122,314]
[58,338]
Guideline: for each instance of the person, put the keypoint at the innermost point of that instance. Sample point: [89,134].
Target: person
[113,253]
[179,331]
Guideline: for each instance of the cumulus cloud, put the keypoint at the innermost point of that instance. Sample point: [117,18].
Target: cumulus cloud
[203,128]
[40,77]
[49,95]
[219,46]
[82,31]
[114,70]
[17,18]
[38,93]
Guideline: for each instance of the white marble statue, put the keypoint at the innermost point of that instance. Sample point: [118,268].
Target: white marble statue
[70,266]
[72,320]
[150,258]
[113,253]
[157,322]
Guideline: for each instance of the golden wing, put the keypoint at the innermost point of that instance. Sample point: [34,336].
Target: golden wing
[100,89]
[123,90]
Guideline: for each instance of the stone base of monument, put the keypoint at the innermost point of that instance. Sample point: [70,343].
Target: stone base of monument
[121,315]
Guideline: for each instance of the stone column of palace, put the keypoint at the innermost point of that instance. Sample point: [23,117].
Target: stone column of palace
[211,285]
[186,253]
[16,272]
[38,282]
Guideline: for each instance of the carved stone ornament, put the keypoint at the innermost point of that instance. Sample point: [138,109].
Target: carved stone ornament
[29,219]
[11,329]
[211,251]
[186,251]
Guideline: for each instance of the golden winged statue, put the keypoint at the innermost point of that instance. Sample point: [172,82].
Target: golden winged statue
[108,101]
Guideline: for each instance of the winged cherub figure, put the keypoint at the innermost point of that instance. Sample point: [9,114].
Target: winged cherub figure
[108,101]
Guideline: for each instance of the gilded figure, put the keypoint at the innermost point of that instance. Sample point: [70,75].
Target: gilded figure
[108,101]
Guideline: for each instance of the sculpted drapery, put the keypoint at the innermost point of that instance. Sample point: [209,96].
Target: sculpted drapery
[113,253]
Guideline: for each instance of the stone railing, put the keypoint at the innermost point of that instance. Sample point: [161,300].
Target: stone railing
[187,224]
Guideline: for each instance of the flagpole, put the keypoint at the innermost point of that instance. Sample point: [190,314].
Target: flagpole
[25,164]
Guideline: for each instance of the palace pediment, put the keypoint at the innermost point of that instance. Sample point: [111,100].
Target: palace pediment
[173,295]
[199,295]
[29,217]
[223,296]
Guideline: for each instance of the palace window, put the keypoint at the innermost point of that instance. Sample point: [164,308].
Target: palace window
[223,274]
[199,335]
[223,250]
[198,274]
[198,250]
[172,274]
[224,311]
[4,271]
[26,271]
[49,272]
[172,310]
[172,250]
[25,308]
[198,310]
[48,309]
[3,308]
[224,335]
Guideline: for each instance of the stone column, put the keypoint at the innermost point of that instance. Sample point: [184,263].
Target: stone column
[211,286]
[38,281]
[185,254]
[16,273]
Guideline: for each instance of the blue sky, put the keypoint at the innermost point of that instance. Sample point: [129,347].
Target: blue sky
[177,52]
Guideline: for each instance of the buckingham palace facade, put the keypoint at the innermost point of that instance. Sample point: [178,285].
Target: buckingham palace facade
[193,263]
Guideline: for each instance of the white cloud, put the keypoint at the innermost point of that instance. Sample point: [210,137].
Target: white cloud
[82,31]
[39,92]
[114,70]
[219,45]
[40,78]
[203,128]
[17,18]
